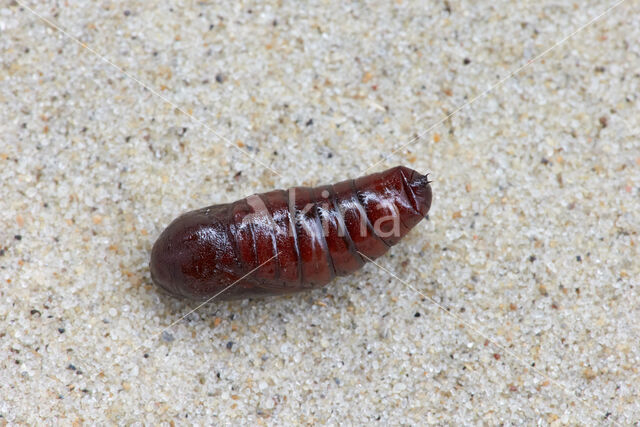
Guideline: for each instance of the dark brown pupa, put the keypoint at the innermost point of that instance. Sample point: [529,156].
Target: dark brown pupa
[296,239]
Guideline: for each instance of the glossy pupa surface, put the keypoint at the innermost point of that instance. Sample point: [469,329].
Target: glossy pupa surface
[285,241]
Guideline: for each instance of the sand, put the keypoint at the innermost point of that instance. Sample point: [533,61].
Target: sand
[517,302]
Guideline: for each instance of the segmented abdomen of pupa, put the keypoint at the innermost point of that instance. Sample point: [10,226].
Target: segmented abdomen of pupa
[285,241]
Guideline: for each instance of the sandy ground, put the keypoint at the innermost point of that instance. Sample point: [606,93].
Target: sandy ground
[516,302]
